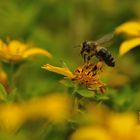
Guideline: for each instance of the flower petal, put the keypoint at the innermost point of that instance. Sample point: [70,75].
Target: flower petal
[128,120]
[63,71]
[36,51]
[130,28]
[2,45]
[128,45]
[55,107]
[90,132]
[16,48]
[11,118]
[3,51]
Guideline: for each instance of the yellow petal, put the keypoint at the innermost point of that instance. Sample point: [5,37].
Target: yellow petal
[11,117]
[63,71]
[128,45]
[3,51]
[126,130]
[55,107]
[90,133]
[16,47]
[36,51]
[130,28]
[3,77]
[2,45]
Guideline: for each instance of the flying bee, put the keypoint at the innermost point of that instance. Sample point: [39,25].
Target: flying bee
[94,48]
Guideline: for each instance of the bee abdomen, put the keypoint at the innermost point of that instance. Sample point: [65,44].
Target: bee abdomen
[106,56]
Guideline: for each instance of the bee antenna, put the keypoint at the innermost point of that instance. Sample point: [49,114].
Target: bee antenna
[77,46]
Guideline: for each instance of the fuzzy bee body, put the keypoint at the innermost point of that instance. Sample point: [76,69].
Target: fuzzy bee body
[105,55]
[94,48]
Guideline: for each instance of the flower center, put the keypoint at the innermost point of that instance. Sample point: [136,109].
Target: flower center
[88,75]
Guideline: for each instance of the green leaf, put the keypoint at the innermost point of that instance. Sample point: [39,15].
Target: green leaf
[12,95]
[3,93]
[86,93]
[67,83]
[101,97]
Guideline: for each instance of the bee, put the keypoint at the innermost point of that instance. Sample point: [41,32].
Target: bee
[95,48]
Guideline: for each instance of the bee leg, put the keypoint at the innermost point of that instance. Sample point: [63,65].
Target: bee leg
[94,68]
[91,55]
[97,67]
[85,57]
[88,59]
[100,64]
[82,53]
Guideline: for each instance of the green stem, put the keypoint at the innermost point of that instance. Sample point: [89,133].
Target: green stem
[11,75]
[74,90]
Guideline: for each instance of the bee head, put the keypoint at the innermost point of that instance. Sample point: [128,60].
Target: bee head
[86,47]
[84,44]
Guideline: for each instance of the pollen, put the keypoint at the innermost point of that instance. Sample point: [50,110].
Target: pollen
[88,75]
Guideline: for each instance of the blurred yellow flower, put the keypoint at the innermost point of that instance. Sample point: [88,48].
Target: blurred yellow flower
[11,117]
[83,75]
[55,107]
[90,133]
[108,126]
[122,126]
[16,51]
[96,113]
[3,78]
[132,30]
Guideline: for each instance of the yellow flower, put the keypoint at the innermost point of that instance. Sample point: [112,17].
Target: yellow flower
[63,71]
[11,117]
[118,126]
[55,107]
[3,77]
[83,75]
[100,123]
[90,133]
[122,126]
[132,30]
[16,51]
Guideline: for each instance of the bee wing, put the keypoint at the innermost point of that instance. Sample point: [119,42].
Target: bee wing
[106,39]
